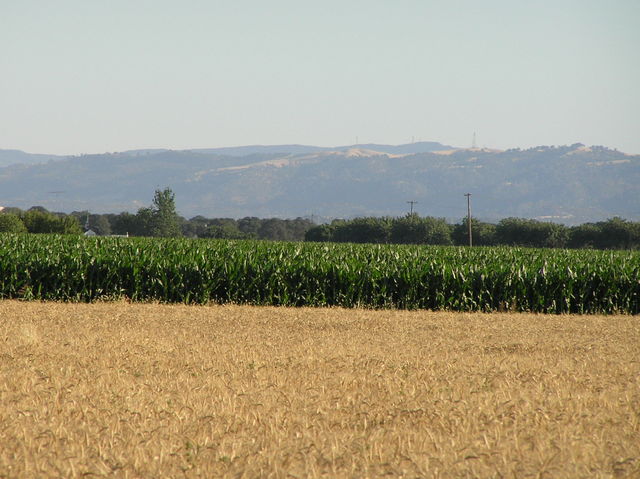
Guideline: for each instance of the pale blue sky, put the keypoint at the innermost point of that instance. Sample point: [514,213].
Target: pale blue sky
[89,76]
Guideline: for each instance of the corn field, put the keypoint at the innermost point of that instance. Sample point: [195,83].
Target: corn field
[69,268]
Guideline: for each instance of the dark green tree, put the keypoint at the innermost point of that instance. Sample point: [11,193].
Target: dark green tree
[484,234]
[125,224]
[533,233]
[273,229]
[195,227]
[587,235]
[362,230]
[100,224]
[250,226]
[165,221]
[10,223]
[144,222]
[38,221]
[320,233]
[298,228]
[159,219]
[412,229]
[223,231]
[618,233]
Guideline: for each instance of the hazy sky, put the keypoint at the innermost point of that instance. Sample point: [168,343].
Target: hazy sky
[89,76]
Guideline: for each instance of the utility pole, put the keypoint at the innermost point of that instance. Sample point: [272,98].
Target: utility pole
[411,203]
[468,195]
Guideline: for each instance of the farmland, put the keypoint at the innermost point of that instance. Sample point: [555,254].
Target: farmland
[300,274]
[123,389]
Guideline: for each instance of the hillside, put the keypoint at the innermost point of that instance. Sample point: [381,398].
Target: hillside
[12,157]
[571,184]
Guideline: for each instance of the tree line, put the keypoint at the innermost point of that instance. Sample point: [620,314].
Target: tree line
[615,233]
[161,219]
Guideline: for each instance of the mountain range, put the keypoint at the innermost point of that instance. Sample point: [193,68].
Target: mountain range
[569,184]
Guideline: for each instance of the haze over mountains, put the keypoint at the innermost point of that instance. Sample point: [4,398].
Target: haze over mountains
[571,184]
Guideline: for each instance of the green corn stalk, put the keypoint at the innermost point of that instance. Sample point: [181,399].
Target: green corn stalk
[69,268]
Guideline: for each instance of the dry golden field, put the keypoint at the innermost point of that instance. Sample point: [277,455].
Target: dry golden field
[141,390]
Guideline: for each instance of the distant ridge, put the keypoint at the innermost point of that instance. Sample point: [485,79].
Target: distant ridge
[12,157]
[419,147]
[570,184]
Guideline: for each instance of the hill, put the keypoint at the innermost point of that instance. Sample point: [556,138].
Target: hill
[13,157]
[572,184]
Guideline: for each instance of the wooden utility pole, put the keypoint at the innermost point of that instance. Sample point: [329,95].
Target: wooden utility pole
[411,203]
[468,195]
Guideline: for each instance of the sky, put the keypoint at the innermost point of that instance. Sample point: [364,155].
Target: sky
[89,76]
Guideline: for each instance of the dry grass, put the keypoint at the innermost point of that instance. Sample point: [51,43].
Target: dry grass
[135,390]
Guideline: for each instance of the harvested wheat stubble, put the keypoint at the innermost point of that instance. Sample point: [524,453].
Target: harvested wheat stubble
[144,390]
